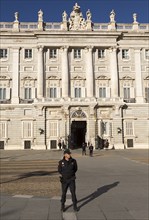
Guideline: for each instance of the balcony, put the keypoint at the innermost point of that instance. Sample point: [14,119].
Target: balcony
[131,100]
[5,101]
[26,101]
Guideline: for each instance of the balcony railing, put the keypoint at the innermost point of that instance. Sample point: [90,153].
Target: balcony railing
[5,101]
[131,100]
[26,101]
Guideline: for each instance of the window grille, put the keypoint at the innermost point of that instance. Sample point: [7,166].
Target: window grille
[3,53]
[28,53]
[77,53]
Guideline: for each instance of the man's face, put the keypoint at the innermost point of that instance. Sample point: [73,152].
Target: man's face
[67,156]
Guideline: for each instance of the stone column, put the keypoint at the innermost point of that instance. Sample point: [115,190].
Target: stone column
[138,76]
[114,72]
[40,73]
[89,72]
[15,76]
[65,72]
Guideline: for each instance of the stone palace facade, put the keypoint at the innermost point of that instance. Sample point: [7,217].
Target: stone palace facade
[74,81]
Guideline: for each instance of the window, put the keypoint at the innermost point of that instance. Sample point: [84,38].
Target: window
[126,92]
[2,93]
[28,53]
[53,131]
[27,93]
[3,53]
[102,92]
[2,129]
[129,128]
[53,53]
[27,129]
[147,94]
[77,92]
[101,53]
[53,92]
[146,54]
[125,54]
[77,53]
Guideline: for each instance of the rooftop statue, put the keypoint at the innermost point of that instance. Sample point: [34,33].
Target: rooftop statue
[40,15]
[112,16]
[88,15]
[76,20]
[135,18]
[16,15]
[64,16]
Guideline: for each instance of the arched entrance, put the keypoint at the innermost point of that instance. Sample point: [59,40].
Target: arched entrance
[78,129]
[78,133]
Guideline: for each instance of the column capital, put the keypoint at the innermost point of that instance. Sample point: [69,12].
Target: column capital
[40,48]
[137,50]
[112,49]
[88,48]
[64,48]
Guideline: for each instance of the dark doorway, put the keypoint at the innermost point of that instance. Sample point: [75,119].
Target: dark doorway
[27,144]
[78,132]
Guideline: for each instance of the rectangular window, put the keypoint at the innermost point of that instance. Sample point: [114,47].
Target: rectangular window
[77,92]
[2,129]
[126,93]
[28,93]
[28,53]
[147,94]
[3,53]
[53,131]
[125,54]
[102,92]
[2,93]
[27,129]
[53,92]
[77,53]
[101,53]
[129,128]
[53,53]
[147,54]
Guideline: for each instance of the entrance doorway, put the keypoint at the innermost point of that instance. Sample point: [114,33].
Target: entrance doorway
[78,132]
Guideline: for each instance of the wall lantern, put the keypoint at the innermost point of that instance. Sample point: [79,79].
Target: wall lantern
[119,130]
[41,131]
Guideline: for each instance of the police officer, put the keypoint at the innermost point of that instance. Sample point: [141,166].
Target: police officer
[67,167]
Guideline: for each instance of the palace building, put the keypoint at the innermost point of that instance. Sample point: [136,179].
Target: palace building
[74,81]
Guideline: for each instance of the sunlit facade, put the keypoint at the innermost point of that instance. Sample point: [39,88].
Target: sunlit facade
[74,81]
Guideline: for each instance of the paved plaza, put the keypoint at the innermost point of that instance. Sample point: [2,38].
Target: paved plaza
[111,185]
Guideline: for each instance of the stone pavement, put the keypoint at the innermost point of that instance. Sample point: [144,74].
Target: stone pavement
[112,185]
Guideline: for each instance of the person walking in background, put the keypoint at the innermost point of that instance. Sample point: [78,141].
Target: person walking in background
[67,167]
[91,150]
[83,149]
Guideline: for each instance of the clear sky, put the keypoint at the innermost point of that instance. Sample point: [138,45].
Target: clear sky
[53,9]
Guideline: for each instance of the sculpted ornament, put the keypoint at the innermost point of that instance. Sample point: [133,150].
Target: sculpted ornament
[76,20]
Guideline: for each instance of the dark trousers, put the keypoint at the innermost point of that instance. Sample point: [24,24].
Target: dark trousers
[72,186]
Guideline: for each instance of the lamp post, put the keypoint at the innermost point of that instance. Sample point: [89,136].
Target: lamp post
[122,118]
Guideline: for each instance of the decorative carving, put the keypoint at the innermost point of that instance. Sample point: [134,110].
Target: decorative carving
[76,20]
[78,114]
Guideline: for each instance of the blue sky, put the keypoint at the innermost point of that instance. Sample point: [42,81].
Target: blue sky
[100,9]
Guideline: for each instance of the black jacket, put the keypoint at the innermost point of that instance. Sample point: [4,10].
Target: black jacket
[67,168]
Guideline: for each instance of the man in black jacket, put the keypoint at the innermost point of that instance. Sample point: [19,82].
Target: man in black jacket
[67,168]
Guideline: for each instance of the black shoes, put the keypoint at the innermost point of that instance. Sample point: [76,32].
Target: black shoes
[63,208]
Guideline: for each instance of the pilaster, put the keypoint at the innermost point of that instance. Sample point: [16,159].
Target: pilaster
[89,72]
[40,73]
[65,72]
[114,72]
[138,76]
[15,74]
